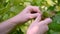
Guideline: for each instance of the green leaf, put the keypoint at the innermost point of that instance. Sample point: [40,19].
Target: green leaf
[55,25]
[50,2]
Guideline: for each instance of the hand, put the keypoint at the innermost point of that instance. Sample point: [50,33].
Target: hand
[39,27]
[27,14]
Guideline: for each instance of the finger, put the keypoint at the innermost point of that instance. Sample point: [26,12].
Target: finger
[46,21]
[33,15]
[38,18]
[34,8]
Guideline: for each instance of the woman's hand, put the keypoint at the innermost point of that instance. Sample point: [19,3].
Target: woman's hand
[28,13]
[39,27]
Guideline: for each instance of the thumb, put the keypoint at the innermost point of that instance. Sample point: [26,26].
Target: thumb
[46,21]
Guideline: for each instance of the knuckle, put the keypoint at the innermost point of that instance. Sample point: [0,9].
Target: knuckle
[29,6]
[36,7]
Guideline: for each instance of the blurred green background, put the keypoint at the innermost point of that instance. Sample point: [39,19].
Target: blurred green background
[50,8]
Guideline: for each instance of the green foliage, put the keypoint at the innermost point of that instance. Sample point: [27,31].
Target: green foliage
[50,8]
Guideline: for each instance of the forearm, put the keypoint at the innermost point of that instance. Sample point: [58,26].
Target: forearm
[8,25]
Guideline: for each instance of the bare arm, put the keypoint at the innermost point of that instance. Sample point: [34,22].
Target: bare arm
[25,15]
[7,25]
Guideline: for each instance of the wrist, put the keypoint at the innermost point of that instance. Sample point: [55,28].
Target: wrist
[16,19]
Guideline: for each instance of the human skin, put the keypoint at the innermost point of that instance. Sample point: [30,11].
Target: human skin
[20,18]
[25,15]
[38,26]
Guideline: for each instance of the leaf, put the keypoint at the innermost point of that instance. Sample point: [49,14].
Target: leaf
[10,8]
[55,25]
[50,2]
[54,32]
